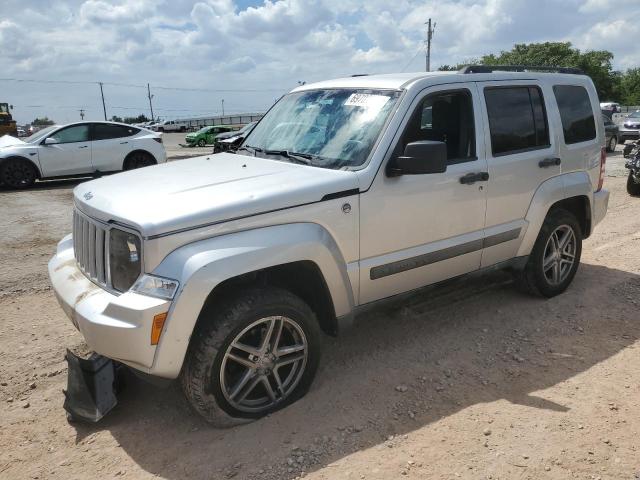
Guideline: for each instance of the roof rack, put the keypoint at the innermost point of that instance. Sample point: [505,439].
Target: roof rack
[518,68]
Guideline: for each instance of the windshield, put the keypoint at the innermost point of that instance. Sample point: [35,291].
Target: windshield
[634,115]
[203,130]
[248,126]
[335,128]
[40,134]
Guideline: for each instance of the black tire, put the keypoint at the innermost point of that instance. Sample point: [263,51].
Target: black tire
[202,142]
[633,188]
[202,374]
[139,159]
[17,173]
[533,279]
[611,145]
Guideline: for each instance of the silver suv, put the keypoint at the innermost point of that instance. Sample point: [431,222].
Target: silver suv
[223,270]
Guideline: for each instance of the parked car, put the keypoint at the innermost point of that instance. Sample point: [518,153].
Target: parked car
[230,141]
[223,270]
[609,108]
[206,135]
[21,132]
[78,149]
[630,129]
[170,126]
[611,131]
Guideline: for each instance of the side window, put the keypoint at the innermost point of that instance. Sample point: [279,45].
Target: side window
[445,117]
[606,121]
[517,119]
[576,113]
[78,133]
[106,131]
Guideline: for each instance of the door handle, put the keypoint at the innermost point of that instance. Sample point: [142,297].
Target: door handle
[122,143]
[84,146]
[549,162]
[471,178]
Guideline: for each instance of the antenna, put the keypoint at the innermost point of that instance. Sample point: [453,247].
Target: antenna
[430,32]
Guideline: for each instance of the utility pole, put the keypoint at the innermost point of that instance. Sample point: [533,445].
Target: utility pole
[149,96]
[223,107]
[104,108]
[430,31]
[82,113]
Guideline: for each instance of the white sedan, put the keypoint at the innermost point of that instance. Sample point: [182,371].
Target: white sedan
[77,149]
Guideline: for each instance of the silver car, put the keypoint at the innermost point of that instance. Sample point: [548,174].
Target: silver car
[630,129]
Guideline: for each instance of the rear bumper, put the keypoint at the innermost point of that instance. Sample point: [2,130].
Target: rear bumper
[600,205]
[116,326]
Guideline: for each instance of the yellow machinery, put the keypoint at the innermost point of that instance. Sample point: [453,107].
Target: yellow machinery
[7,124]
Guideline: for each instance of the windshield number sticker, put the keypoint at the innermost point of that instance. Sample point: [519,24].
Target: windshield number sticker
[366,100]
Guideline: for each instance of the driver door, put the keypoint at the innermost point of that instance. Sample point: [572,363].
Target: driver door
[70,155]
[416,230]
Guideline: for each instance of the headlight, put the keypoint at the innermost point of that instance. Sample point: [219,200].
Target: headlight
[124,259]
[158,287]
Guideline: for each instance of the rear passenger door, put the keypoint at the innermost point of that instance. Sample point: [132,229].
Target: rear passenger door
[521,154]
[110,145]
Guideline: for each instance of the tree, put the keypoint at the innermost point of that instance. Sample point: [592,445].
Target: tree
[629,87]
[42,122]
[139,119]
[115,118]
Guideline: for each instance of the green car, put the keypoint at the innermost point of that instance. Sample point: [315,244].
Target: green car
[206,135]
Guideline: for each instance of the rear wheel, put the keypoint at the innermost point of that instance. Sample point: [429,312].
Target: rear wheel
[139,160]
[17,173]
[633,188]
[611,146]
[555,257]
[253,355]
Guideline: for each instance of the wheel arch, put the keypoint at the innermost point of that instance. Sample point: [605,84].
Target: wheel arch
[302,258]
[571,191]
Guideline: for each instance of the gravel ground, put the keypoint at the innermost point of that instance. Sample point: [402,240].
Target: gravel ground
[476,382]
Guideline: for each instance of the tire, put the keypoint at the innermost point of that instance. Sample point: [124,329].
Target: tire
[17,173]
[611,146]
[202,142]
[228,391]
[139,159]
[558,274]
[633,188]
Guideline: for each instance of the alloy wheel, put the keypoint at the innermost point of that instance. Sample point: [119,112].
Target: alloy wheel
[559,255]
[263,364]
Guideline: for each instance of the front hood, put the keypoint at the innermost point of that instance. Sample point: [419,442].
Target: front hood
[204,190]
[8,140]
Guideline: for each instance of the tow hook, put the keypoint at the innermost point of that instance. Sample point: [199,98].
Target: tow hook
[92,386]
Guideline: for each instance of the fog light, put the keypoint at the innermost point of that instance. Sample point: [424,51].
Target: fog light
[158,287]
[156,327]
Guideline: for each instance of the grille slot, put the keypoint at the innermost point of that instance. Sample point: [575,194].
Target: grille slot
[90,248]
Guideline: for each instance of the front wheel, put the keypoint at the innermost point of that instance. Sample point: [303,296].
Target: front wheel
[255,354]
[633,187]
[555,257]
[202,143]
[611,146]
[17,173]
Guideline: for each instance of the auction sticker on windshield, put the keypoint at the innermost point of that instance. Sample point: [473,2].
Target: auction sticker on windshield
[366,100]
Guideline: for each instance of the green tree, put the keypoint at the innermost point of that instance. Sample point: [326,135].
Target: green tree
[629,87]
[115,118]
[42,122]
[139,119]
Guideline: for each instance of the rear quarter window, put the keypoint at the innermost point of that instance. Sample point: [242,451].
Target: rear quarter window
[578,122]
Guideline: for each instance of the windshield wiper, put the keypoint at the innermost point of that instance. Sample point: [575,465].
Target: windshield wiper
[303,158]
[250,149]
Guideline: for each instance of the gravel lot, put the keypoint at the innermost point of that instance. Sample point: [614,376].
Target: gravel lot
[476,382]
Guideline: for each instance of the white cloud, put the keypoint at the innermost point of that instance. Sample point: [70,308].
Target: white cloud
[271,45]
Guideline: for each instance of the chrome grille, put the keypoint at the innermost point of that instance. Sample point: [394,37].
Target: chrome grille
[90,248]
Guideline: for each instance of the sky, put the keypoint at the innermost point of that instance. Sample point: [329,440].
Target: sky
[195,54]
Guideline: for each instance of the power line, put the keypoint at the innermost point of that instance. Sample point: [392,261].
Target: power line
[412,59]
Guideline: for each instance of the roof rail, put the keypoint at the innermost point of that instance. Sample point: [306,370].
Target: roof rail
[360,75]
[518,68]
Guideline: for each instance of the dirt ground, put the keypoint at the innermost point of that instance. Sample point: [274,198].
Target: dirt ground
[476,382]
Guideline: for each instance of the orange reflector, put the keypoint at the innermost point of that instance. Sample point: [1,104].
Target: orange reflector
[156,327]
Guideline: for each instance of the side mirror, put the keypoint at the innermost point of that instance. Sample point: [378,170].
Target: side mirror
[421,157]
[50,141]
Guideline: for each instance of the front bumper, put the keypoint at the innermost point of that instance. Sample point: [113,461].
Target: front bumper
[116,326]
[628,134]
[600,205]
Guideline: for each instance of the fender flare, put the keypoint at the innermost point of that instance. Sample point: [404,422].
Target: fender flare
[20,157]
[203,265]
[551,191]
